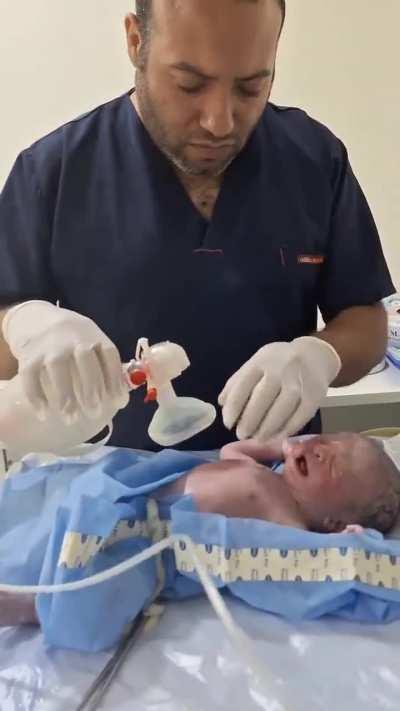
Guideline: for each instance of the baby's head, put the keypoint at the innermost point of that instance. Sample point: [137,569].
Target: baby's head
[343,479]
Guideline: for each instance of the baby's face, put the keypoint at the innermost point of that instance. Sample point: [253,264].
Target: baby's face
[332,478]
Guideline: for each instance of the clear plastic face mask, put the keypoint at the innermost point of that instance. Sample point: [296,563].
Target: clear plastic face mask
[177,419]
[180,420]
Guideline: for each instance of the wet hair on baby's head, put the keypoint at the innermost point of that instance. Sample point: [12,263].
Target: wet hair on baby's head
[383,512]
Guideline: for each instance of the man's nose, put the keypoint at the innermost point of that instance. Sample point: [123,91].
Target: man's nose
[217,114]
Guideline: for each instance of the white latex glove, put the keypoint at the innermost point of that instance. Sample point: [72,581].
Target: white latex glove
[280,388]
[65,361]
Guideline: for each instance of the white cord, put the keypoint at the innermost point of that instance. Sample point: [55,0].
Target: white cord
[239,638]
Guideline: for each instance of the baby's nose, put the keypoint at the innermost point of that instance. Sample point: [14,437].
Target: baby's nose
[293,448]
[322,458]
[320,452]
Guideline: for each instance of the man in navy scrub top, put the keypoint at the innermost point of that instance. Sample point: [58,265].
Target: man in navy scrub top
[192,210]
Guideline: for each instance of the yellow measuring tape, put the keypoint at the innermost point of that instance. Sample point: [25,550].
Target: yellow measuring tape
[302,566]
[231,565]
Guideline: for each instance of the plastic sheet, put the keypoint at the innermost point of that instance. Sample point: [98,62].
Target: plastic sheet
[187,663]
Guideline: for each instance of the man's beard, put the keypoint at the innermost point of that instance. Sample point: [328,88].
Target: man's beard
[150,116]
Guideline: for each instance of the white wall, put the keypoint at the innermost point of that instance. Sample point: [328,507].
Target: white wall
[339,59]
[58,59]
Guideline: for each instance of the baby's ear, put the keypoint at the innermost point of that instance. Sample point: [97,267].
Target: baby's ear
[354,528]
[332,526]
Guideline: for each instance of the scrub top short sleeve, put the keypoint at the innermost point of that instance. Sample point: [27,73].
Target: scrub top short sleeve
[24,237]
[355,271]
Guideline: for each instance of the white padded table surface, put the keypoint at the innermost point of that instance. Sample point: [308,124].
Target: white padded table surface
[188,664]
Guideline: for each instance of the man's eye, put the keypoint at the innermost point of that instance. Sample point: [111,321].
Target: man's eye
[249,93]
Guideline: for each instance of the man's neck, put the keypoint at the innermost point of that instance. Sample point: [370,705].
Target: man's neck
[203,190]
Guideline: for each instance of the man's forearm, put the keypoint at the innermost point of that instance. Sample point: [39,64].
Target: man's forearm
[8,364]
[359,335]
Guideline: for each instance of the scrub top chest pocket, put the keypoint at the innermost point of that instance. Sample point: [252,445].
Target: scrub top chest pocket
[302,266]
[285,281]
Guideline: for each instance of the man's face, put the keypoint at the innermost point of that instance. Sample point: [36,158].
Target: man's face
[333,478]
[205,78]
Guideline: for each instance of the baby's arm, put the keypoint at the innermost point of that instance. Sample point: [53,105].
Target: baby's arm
[239,489]
[252,449]
[231,488]
[17,610]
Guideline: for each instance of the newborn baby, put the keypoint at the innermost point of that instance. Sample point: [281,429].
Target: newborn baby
[327,484]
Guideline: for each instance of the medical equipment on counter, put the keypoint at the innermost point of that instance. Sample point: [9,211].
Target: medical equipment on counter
[176,420]
[392,305]
[379,368]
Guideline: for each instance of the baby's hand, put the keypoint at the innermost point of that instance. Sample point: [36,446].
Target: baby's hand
[354,528]
[253,450]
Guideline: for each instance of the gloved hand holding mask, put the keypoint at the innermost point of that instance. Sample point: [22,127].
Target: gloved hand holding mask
[280,389]
[65,361]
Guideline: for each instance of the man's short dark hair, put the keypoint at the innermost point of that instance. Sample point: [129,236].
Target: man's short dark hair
[144,9]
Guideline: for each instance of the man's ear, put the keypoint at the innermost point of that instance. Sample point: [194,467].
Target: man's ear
[133,38]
